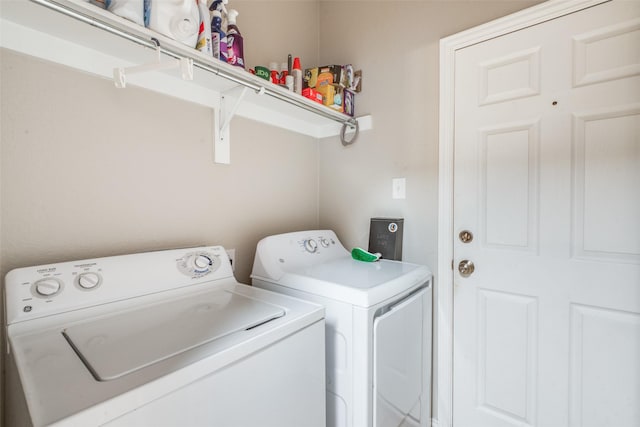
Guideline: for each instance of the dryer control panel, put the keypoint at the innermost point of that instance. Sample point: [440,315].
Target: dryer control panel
[292,251]
[33,292]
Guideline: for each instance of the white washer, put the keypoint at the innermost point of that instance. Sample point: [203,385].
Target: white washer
[164,338]
[378,319]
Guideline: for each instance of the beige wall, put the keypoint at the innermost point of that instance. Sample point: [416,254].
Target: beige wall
[396,44]
[88,170]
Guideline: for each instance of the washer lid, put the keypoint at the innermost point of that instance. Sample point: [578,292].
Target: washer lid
[356,282]
[118,344]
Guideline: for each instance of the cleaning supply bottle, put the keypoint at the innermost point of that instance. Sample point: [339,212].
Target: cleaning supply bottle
[218,37]
[275,75]
[204,33]
[219,5]
[284,72]
[234,40]
[177,19]
[133,10]
[296,72]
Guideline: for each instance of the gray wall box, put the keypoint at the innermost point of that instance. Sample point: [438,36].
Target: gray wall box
[385,236]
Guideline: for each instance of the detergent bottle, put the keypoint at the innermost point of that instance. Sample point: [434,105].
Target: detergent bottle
[218,36]
[234,40]
[204,29]
[133,10]
[178,19]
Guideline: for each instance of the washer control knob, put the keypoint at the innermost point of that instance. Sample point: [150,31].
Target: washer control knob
[89,280]
[202,262]
[324,242]
[310,245]
[47,287]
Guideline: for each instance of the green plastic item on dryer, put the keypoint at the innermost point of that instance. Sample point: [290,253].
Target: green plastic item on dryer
[360,254]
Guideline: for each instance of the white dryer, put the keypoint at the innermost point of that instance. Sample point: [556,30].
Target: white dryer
[165,338]
[378,320]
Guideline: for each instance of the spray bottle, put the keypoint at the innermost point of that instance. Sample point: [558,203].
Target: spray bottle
[234,40]
[218,36]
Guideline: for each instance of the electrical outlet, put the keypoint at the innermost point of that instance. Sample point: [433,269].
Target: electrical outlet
[231,253]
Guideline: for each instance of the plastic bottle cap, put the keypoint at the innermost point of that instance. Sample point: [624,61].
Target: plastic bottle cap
[273,66]
[232,14]
[296,64]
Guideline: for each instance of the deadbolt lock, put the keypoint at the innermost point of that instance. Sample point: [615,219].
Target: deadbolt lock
[466,268]
[465,236]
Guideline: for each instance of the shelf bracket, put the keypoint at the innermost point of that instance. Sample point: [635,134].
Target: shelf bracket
[222,119]
[185,65]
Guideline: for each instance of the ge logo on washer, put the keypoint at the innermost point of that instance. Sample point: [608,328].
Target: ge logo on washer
[393,227]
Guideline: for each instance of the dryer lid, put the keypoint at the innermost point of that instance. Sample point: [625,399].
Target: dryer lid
[359,283]
[118,344]
[346,271]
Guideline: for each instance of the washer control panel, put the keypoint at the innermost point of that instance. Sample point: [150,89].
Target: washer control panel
[199,263]
[50,289]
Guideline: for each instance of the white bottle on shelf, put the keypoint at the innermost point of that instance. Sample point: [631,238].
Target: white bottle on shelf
[178,19]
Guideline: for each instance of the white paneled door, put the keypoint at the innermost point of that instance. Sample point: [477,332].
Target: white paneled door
[547,208]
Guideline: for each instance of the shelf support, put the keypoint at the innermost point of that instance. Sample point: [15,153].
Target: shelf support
[222,119]
[185,65]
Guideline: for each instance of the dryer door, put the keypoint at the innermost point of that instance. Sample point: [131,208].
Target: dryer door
[400,374]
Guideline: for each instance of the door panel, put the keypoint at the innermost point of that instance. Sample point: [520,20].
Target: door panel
[547,172]
[607,170]
[508,186]
[604,338]
[506,337]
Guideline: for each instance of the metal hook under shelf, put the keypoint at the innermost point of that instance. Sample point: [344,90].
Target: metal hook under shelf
[354,124]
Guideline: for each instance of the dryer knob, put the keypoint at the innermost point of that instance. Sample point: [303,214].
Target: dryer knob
[89,280]
[47,287]
[310,245]
[202,262]
[324,242]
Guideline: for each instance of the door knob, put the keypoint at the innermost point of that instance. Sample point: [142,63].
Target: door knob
[466,268]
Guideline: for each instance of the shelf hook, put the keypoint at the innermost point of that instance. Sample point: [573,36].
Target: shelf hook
[185,65]
[353,124]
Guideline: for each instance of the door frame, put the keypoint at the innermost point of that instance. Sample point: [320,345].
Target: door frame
[448,46]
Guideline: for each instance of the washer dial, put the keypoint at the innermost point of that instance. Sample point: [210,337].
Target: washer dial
[198,264]
[47,287]
[89,280]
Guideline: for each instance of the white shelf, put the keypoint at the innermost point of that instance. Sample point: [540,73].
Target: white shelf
[85,37]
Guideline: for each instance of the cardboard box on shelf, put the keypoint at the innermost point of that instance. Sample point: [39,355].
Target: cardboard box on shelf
[311,75]
[349,102]
[328,91]
[312,94]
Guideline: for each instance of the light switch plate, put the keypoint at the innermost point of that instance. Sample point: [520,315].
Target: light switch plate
[398,188]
